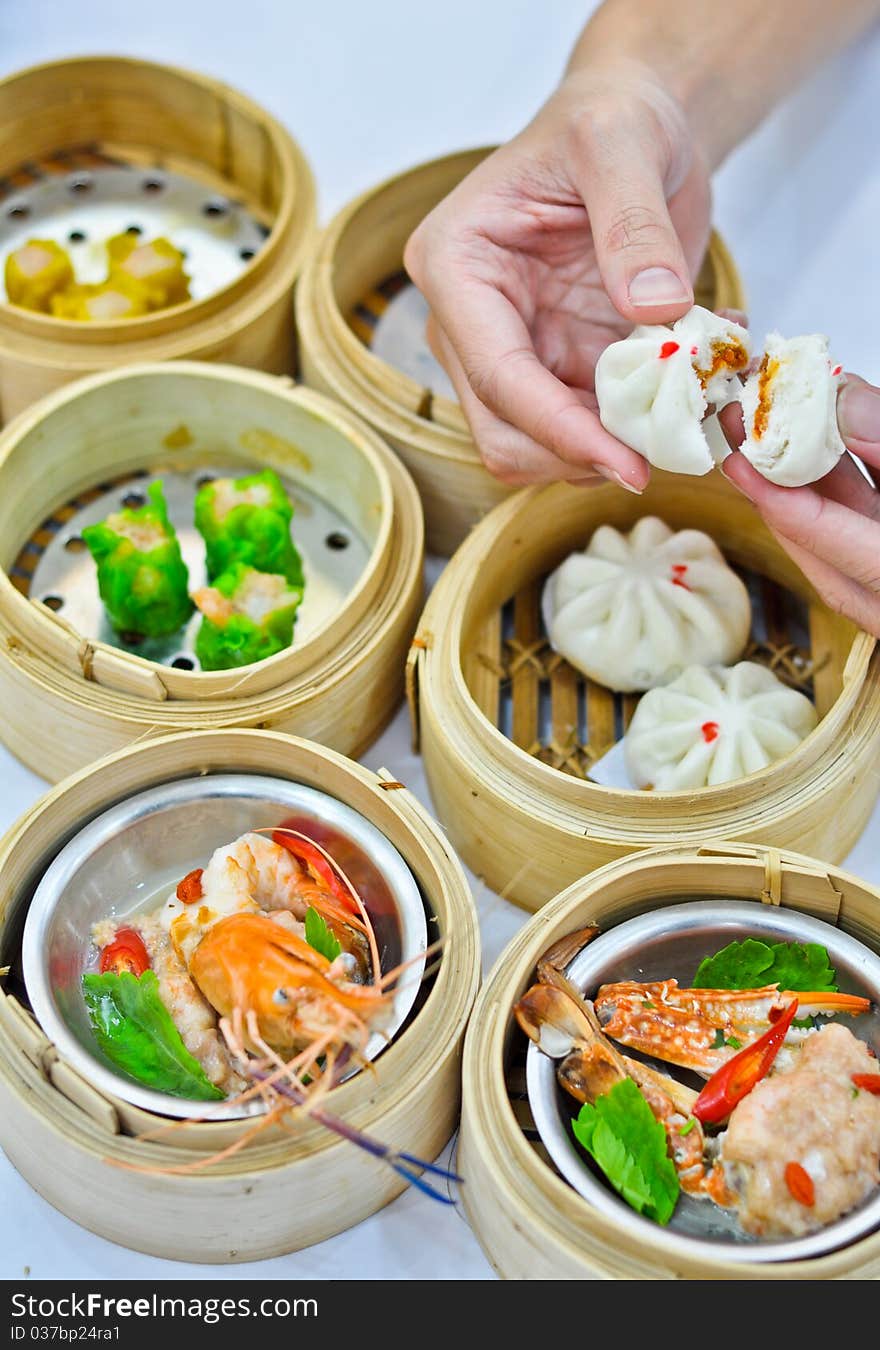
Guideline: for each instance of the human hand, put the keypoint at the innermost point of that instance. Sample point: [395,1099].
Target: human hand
[592,219]
[832,528]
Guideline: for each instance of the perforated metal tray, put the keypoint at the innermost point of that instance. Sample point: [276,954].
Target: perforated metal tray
[56,567]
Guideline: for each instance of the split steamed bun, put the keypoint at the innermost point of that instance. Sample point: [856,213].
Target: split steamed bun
[790,411]
[653,389]
[654,386]
[713,725]
[633,610]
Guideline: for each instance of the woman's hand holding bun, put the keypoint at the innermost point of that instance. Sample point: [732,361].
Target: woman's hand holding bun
[832,528]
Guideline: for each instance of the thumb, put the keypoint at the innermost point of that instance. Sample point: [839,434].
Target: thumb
[858,417]
[640,257]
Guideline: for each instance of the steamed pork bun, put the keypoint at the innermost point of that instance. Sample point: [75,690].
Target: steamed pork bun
[633,610]
[790,411]
[711,726]
[653,388]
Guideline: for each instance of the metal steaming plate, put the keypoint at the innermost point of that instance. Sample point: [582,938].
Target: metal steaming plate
[399,338]
[128,859]
[671,942]
[82,209]
[334,557]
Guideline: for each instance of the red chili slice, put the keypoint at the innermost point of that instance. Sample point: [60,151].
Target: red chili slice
[735,1079]
[125,953]
[800,1184]
[190,889]
[317,864]
[867,1082]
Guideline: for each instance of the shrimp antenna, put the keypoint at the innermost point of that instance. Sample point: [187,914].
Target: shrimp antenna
[406,1165]
[391,975]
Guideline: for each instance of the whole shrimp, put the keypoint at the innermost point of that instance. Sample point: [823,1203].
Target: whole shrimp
[292,1018]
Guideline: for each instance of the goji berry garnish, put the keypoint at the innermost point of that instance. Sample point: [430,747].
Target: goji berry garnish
[800,1184]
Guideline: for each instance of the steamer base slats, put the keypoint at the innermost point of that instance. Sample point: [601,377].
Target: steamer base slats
[566,720]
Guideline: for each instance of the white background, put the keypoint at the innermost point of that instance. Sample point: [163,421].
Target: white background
[370,87]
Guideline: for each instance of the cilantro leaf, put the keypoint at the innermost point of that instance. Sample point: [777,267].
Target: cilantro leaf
[318,935]
[629,1144]
[137,1034]
[751,964]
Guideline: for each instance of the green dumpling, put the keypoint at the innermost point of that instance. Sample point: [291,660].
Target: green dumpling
[247,520]
[248,615]
[142,577]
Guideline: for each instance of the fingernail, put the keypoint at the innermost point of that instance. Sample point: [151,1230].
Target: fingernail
[858,412]
[657,286]
[614,477]
[723,467]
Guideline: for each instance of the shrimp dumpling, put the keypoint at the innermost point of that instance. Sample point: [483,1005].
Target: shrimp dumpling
[247,616]
[713,725]
[654,387]
[634,610]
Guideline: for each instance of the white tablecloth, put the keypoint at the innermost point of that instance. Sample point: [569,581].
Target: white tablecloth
[370,89]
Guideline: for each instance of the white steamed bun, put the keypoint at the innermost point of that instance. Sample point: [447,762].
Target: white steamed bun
[790,411]
[633,610]
[653,387]
[712,725]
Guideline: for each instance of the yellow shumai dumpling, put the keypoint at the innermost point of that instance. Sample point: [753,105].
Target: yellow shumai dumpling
[35,273]
[116,298]
[157,266]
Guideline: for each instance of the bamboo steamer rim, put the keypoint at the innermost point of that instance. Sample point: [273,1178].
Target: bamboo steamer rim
[258,286]
[448,434]
[505,1179]
[437,656]
[385,395]
[397,813]
[45,629]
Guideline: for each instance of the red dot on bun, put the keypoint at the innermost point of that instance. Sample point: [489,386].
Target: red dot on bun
[668,349]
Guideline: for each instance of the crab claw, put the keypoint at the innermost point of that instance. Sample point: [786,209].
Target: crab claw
[552,1019]
[813,1004]
[557,957]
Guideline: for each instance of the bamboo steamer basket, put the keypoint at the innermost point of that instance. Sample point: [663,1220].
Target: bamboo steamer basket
[287,1189]
[148,115]
[344,289]
[76,698]
[516,802]
[531,1223]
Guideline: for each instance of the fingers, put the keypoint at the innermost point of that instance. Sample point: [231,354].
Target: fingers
[836,534]
[508,453]
[731,422]
[832,528]
[514,405]
[839,592]
[640,257]
[858,417]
